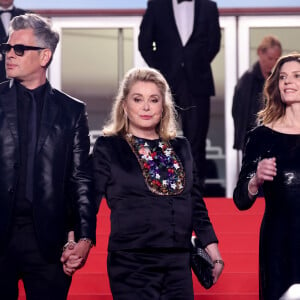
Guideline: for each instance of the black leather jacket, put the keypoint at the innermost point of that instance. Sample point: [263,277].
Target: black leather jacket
[63,183]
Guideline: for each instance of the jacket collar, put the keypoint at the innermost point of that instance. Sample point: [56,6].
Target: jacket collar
[9,102]
[8,98]
[49,113]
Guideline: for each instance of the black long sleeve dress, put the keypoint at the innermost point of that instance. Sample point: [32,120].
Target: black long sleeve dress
[279,248]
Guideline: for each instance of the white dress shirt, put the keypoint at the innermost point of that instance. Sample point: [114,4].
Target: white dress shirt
[184,13]
[5,18]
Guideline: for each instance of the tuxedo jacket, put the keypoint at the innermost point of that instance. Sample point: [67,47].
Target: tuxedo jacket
[3,39]
[169,55]
[141,218]
[62,175]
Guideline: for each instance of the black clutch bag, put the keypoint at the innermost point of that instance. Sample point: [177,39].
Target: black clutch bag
[201,264]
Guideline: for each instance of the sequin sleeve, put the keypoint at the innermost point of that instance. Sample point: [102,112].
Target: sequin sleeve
[255,149]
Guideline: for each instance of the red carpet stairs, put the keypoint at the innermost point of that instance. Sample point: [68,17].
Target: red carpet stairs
[238,233]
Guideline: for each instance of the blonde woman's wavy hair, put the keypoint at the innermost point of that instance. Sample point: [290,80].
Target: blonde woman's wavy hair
[274,107]
[118,122]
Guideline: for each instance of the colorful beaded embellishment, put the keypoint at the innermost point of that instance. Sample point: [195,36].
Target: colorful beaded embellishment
[162,169]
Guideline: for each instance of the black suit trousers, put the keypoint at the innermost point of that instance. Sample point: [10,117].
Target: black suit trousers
[151,274]
[194,111]
[22,260]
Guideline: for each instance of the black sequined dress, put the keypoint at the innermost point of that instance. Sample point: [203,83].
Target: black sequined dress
[279,248]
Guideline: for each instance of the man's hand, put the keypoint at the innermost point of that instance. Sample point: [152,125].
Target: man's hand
[75,255]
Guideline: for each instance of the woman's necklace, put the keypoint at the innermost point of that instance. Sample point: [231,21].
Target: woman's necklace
[162,170]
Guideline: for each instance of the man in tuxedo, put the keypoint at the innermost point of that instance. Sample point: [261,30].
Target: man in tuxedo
[7,12]
[180,38]
[46,187]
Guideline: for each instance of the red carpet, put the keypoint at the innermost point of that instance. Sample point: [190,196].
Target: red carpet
[238,234]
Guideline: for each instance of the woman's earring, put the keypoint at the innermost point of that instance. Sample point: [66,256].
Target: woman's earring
[126,122]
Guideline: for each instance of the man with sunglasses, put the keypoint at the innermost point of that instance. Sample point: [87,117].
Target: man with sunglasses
[45,183]
[7,12]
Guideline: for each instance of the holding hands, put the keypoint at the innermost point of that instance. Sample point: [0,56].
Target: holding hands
[75,254]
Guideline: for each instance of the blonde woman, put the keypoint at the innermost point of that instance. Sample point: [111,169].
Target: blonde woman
[145,173]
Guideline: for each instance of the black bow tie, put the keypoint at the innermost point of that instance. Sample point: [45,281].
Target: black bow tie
[179,1]
[6,11]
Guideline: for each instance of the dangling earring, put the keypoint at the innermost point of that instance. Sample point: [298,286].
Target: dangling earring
[161,129]
[126,121]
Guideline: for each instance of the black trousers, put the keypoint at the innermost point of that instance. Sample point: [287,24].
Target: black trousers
[23,260]
[150,275]
[194,111]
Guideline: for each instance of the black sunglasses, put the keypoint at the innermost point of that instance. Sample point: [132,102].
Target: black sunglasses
[18,49]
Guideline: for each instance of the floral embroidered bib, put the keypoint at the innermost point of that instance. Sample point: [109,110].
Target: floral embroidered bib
[161,168]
